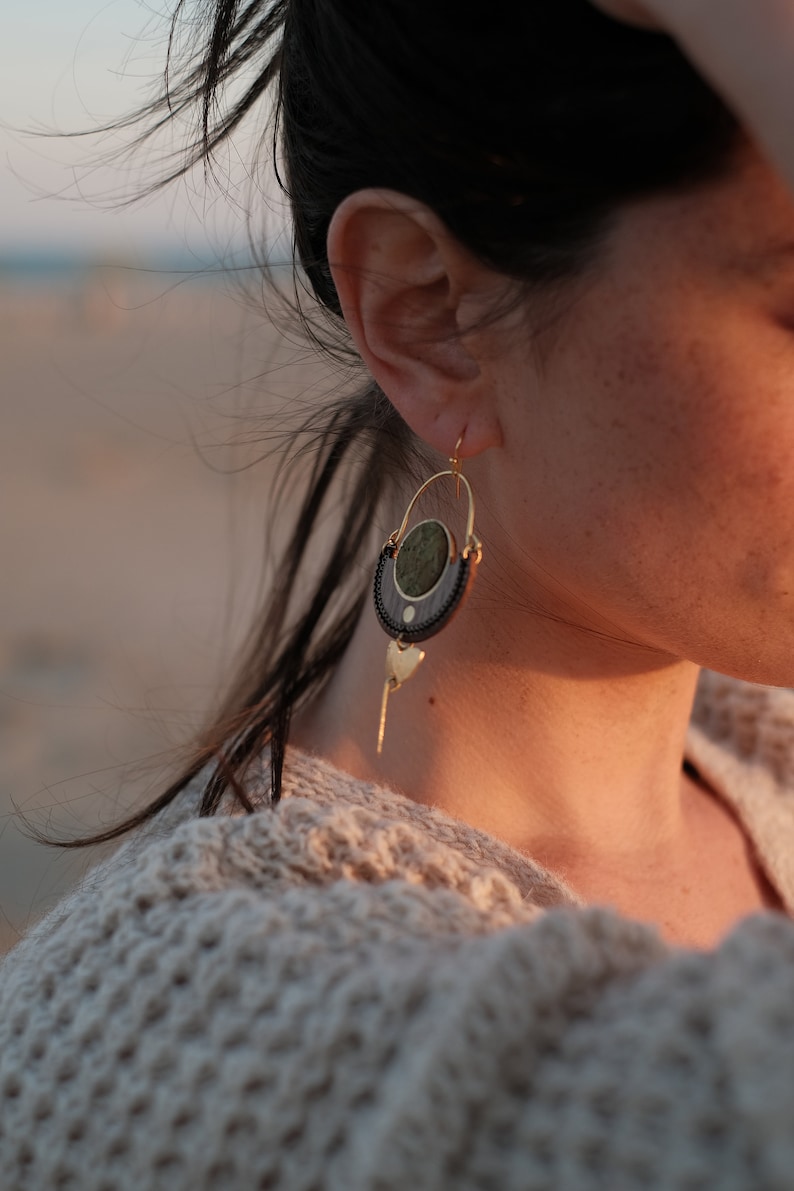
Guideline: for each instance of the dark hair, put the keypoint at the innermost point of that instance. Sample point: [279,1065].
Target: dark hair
[525,124]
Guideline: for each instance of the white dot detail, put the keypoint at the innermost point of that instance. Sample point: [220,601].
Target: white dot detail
[409,613]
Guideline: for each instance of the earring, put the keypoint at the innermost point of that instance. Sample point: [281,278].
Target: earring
[420,583]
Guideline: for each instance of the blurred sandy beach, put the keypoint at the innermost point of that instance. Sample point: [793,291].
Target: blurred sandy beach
[130,541]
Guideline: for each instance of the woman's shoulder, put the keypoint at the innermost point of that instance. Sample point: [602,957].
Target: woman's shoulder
[225,1001]
[329,994]
[332,842]
[336,863]
[303,1041]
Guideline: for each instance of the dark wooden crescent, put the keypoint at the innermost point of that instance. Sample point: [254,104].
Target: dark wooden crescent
[431,612]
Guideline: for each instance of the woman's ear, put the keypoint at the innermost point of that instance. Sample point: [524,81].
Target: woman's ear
[409,291]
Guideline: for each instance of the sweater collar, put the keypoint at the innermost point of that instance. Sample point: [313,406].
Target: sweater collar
[741,741]
[321,782]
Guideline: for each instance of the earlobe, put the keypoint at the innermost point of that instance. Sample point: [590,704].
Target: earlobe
[407,289]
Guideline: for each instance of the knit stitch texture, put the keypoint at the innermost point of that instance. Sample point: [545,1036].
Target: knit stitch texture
[355,991]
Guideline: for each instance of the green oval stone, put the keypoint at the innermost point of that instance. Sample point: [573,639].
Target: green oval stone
[421,559]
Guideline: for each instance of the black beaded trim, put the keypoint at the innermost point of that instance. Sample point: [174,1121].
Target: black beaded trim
[410,632]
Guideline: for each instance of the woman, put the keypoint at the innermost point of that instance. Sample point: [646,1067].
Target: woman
[541,937]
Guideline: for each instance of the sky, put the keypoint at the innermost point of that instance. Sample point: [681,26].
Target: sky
[71,64]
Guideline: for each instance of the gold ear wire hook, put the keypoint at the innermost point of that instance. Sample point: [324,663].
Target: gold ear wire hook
[455,464]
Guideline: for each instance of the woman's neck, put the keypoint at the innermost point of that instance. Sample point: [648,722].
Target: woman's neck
[578,765]
[565,741]
[566,745]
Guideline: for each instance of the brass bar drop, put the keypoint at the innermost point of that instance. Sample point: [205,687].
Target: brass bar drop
[401,662]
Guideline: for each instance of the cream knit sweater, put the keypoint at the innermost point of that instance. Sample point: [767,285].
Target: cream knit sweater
[354,991]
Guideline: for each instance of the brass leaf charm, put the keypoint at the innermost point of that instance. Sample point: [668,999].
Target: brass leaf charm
[402,661]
